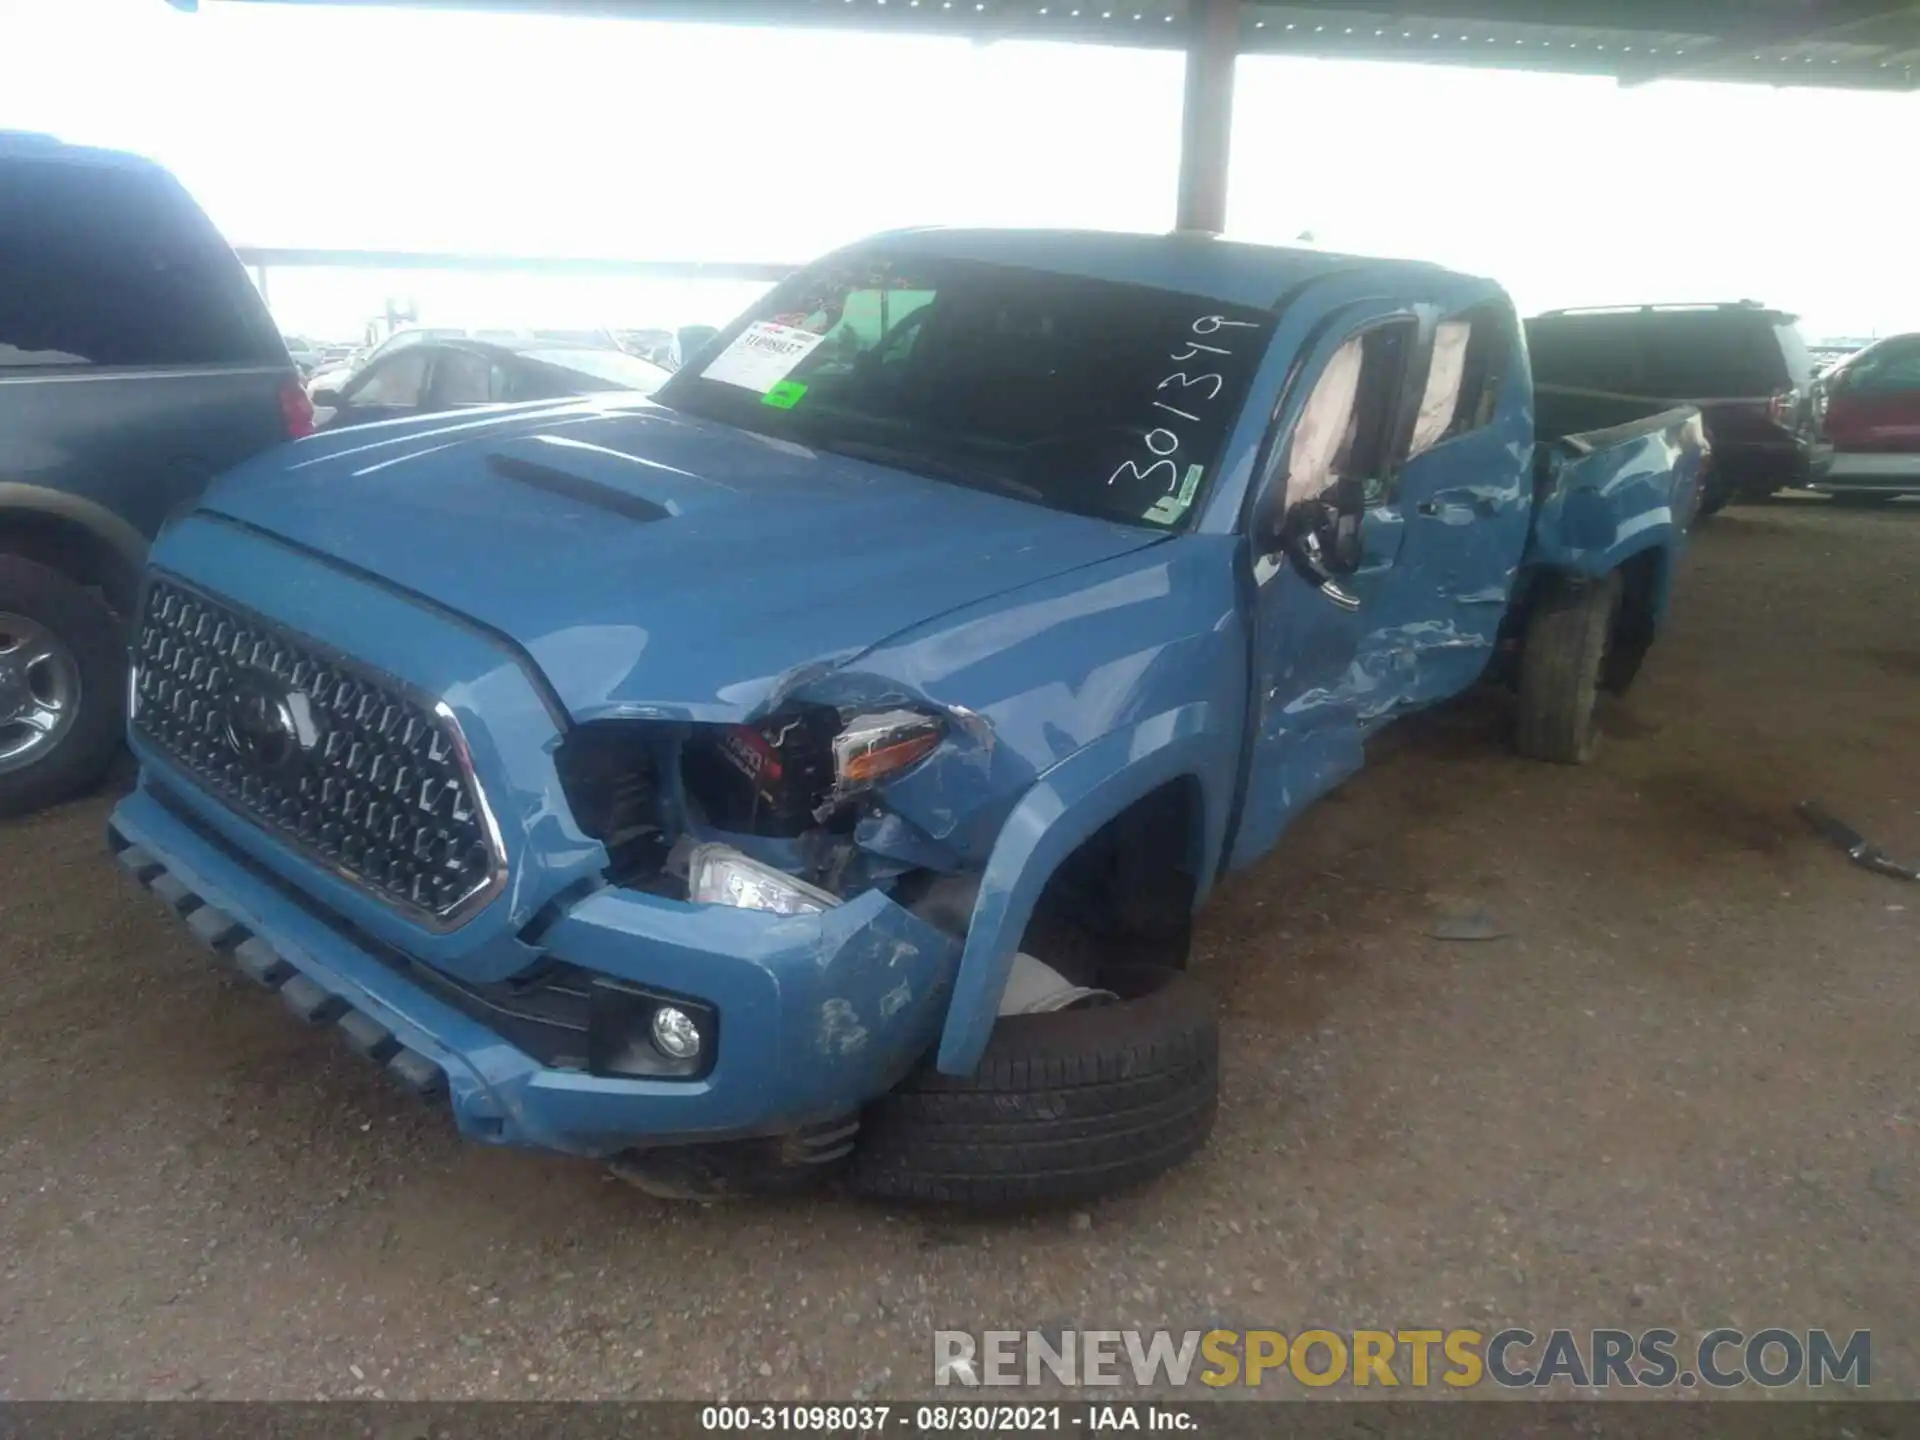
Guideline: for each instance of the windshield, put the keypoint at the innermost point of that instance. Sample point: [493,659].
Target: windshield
[1085,395]
[615,367]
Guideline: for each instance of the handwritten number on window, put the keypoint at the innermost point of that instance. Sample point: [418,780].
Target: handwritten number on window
[1188,382]
[1209,324]
[1132,467]
[1195,393]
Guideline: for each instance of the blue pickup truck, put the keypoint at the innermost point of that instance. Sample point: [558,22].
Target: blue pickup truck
[815,767]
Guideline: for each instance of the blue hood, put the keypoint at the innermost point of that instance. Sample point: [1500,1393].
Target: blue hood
[651,563]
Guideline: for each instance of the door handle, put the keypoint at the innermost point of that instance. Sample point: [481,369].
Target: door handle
[1450,502]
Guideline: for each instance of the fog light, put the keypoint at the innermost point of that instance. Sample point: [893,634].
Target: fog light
[675,1033]
[636,1034]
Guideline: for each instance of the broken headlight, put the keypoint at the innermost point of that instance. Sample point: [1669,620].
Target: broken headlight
[766,777]
[872,747]
[721,875]
[784,775]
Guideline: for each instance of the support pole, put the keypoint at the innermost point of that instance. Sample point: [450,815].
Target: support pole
[1206,124]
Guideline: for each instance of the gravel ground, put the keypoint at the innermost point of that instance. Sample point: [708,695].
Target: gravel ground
[1682,1091]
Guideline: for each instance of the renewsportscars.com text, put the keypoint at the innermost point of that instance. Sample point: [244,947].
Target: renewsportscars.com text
[1512,1358]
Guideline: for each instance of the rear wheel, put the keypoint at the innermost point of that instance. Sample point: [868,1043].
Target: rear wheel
[62,676]
[1714,491]
[1561,665]
[1063,1107]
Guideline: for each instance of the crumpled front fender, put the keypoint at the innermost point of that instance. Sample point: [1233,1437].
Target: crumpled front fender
[1063,809]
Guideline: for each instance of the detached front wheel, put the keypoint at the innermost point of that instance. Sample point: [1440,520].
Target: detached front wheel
[1063,1107]
[62,674]
[1561,665]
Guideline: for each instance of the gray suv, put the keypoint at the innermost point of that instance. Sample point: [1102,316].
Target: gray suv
[136,363]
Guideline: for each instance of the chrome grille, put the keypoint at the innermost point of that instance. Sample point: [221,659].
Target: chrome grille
[341,762]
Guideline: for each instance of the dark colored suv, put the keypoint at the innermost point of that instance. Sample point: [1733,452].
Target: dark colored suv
[1744,365]
[136,363]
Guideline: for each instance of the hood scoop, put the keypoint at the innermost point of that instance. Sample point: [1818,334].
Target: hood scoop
[578,488]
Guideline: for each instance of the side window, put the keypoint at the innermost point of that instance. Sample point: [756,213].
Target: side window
[461,377]
[398,380]
[1347,430]
[528,382]
[1589,352]
[113,265]
[1471,353]
[1889,369]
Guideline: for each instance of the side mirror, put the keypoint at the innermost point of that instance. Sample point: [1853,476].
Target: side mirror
[1320,537]
[326,396]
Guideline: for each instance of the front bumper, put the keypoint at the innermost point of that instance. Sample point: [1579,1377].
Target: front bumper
[818,1014]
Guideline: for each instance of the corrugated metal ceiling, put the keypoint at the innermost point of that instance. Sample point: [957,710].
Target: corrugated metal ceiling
[1852,44]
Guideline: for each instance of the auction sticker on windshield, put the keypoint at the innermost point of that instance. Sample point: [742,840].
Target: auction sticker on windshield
[762,356]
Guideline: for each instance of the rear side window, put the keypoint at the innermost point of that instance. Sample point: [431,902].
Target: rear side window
[1793,351]
[1710,355]
[1671,354]
[1464,375]
[460,377]
[115,266]
[1594,352]
[397,380]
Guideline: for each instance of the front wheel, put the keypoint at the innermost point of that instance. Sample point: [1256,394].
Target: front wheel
[1065,1106]
[1561,665]
[62,675]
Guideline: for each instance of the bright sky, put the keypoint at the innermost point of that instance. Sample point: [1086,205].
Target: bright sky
[397,129]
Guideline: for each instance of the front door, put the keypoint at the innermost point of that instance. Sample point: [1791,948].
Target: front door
[1465,497]
[1341,430]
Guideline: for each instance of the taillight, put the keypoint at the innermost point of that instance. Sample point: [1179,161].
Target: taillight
[296,409]
[1784,407]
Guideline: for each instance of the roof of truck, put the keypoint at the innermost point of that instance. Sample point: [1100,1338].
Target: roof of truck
[1227,270]
[34,145]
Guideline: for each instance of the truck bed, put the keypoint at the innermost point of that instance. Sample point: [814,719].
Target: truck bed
[1612,475]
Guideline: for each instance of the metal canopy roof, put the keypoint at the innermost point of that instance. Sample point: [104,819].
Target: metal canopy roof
[1852,44]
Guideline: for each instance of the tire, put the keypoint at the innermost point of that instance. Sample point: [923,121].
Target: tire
[1062,1107]
[1713,496]
[1561,665]
[90,636]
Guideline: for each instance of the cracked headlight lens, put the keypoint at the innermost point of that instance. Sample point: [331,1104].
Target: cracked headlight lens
[722,875]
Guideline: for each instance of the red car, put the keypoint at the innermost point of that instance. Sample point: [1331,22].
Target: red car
[1868,409]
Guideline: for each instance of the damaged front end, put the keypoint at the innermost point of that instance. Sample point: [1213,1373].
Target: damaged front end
[794,793]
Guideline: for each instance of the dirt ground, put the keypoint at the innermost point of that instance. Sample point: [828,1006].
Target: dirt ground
[1682,1091]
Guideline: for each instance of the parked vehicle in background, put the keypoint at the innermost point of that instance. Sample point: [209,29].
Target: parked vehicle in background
[436,375]
[819,763]
[137,361]
[306,355]
[655,345]
[1826,354]
[689,341]
[1868,412]
[338,376]
[334,376]
[1744,365]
